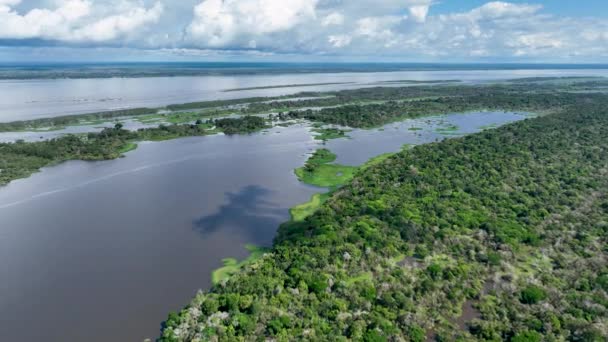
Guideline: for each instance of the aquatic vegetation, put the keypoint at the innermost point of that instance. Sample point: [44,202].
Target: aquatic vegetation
[318,170]
[232,265]
[302,211]
[329,133]
[285,86]
[448,130]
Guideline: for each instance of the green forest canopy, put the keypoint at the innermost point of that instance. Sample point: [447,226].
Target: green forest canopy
[510,223]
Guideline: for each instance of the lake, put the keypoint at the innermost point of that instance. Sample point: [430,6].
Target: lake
[31,99]
[103,251]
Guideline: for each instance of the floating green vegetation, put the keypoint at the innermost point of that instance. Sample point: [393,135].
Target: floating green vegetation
[448,130]
[329,133]
[380,158]
[285,86]
[91,122]
[130,146]
[490,126]
[183,117]
[286,124]
[327,175]
[318,170]
[302,211]
[419,82]
[415,129]
[232,265]
[186,117]
[44,129]
[151,118]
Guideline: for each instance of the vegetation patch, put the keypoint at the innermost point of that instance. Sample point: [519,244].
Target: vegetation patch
[232,265]
[319,172]
[130,146]
[491,126]
[448,130]
[330,133]
[302,211]
[286,86]
[367,276]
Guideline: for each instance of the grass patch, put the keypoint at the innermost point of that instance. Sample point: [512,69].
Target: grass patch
[285,86]
[151,118]
[491,126]
[329,133]
[376,160]
[232,265]
[302,211]
[327,175]
[448,130]
[44,129]
[367,276]
[130,146]
[319,172]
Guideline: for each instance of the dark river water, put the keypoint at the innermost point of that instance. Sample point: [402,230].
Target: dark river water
[102,251]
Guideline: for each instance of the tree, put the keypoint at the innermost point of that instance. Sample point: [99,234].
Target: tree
[532,295]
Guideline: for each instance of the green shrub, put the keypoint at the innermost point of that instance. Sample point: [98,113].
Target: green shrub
[532,295]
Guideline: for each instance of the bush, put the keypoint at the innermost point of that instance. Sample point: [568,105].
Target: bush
[532,295]
[527,336]
[373,336]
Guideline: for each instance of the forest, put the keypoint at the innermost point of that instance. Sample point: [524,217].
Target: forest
[497,236]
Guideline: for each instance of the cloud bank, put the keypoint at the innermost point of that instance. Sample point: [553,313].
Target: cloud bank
[391,28]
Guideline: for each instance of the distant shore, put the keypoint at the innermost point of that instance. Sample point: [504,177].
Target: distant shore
[29,71]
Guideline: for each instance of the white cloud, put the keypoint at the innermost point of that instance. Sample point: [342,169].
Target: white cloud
[334,18]
[419,12]
[113,26]
[75,21]
[404,29]
[339,41]
[536,41]
[7,3]
[498,9]
[219,23]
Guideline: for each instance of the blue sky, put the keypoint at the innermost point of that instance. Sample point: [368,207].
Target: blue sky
[305,30]
[582,8]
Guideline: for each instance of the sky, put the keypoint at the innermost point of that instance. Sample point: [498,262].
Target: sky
[560,31]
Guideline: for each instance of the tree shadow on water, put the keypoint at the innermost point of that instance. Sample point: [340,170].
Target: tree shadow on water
[248,212]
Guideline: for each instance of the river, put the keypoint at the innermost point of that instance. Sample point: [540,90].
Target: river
[31,99]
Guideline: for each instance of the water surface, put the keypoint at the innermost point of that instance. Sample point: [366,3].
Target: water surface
[31,99]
